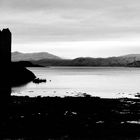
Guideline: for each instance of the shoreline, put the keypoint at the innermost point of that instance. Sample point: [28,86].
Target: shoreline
[71,118]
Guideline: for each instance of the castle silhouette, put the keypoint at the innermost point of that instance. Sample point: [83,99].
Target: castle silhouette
[5,62]
[10,73]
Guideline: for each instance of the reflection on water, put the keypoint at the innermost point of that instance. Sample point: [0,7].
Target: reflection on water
[74,81]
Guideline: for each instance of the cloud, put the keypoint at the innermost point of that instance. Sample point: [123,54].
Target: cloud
[70,20]
[55,4]
[70,24]
[65,4]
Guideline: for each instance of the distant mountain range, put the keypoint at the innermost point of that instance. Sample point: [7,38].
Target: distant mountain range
[137,56]
[18,56]
[47,59]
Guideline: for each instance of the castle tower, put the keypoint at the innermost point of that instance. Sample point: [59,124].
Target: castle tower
[5,61]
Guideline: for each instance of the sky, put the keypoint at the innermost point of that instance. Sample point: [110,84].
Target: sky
[73,28]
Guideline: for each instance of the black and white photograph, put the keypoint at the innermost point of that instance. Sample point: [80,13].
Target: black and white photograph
[70,70]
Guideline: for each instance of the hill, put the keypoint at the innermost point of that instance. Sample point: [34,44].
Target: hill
[134,56]
[134,64]
[87,61]
[126,60]
[20,75]
[18,56]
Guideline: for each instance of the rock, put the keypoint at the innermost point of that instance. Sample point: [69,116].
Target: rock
[37,81]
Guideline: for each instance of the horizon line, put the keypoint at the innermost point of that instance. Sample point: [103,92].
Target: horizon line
[76,57]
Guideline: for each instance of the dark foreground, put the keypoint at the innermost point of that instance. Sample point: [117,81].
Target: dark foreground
[71,118]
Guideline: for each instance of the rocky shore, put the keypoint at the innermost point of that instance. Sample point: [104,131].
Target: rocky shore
[71,118]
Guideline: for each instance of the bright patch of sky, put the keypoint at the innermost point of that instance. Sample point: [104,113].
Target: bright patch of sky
[73,28]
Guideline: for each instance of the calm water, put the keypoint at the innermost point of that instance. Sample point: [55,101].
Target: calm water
[66,81]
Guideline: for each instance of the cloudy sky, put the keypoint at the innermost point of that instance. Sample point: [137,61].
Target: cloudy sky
[73,28]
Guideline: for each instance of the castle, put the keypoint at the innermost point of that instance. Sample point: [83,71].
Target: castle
[5,62]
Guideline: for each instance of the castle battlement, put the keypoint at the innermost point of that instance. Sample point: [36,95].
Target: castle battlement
[5,45]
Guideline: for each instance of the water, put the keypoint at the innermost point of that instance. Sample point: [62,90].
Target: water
[105,82]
